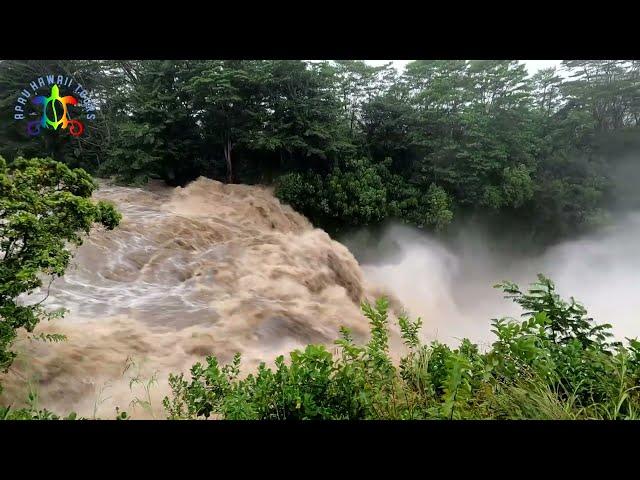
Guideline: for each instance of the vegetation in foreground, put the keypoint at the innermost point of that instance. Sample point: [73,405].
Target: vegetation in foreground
[45,207]
[555,363]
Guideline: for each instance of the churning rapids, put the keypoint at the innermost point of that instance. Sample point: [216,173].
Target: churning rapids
[214,269]
[206,269]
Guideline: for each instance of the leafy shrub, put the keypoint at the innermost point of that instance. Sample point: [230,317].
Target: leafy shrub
[44,207]
[553,364]
[358,192]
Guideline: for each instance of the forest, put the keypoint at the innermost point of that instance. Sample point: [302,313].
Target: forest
[349,145]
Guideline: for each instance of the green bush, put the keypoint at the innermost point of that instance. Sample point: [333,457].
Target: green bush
[553,364]
[359,192]
[45,207]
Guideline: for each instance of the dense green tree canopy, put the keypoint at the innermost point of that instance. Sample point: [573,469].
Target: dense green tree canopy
[350,144]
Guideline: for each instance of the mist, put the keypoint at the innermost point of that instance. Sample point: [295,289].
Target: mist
[449,284]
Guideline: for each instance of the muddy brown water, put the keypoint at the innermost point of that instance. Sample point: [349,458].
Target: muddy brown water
[209,269]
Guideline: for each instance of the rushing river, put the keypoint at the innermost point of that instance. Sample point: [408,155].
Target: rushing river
[208,269]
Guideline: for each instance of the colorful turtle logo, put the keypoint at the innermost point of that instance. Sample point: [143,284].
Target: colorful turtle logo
[75,127]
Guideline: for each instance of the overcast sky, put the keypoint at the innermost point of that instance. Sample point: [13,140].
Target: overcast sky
[532,65]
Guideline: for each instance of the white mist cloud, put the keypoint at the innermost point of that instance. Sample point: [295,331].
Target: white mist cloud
[451,286]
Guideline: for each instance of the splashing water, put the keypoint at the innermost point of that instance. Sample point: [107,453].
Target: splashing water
[206,269]
[450,287]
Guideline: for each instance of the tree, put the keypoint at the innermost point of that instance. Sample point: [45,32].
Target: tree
[43,205]
[304,121]
[471,128]
[156,134]
[390,126]
[608,89]
[358,83]
[473,137]
[547,89]
[228,104]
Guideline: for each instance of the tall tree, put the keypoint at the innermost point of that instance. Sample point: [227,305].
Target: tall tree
[156,134]
[608,89]
[304,121]
[228,103]
[358,83]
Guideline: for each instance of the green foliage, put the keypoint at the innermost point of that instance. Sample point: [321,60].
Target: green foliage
[566,320]
[32,411]
[553,364]
[445,138]
[136,378]
[7,413]
[360,193]
[155,134]
[45,208]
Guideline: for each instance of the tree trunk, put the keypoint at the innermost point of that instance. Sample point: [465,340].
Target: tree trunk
[227,156]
